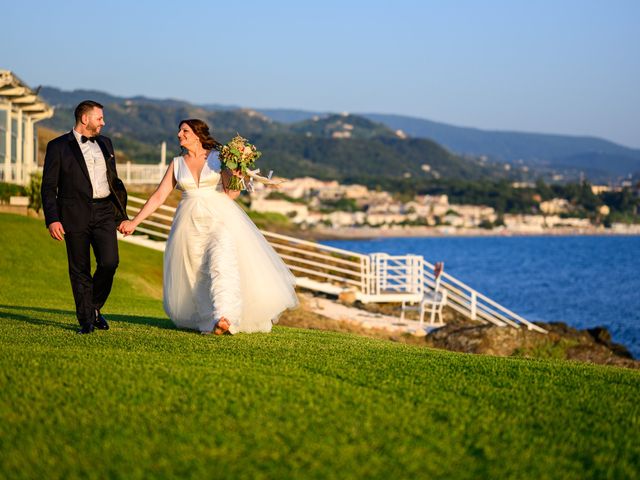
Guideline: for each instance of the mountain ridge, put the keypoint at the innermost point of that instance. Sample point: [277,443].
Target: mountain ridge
[538,150]
[548,154]
[350,149]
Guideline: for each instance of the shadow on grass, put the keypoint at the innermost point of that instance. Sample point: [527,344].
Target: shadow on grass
[6,312]
[19,313]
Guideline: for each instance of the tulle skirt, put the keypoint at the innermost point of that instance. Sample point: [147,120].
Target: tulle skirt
[218,264]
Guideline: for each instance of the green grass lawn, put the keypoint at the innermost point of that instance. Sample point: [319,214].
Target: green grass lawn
[144,400]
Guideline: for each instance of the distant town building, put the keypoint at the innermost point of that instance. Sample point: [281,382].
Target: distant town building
[598,189]
[523,184]
[555,206]
[474,215]
[346,134]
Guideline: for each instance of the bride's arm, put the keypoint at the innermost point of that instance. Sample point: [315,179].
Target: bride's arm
[226,178]
[166,185]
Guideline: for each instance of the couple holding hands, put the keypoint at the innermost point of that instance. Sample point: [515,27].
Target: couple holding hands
[220,274]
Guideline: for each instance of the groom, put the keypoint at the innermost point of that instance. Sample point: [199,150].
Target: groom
[84,201]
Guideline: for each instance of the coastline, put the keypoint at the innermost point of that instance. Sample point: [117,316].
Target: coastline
[367,233]
[458,334]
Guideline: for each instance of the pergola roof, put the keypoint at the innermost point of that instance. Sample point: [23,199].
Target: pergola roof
[17,92]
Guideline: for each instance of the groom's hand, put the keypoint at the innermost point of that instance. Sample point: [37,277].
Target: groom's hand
[126,228]
[56,230]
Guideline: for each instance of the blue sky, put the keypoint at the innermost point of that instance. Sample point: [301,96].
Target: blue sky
[564,66]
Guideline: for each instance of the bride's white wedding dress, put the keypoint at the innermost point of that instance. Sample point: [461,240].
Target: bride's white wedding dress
[217,263]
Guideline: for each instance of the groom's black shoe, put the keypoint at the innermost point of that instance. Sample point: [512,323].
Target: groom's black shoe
[100,322]
[85,329]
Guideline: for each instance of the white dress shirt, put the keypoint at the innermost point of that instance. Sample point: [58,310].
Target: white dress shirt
[96,165]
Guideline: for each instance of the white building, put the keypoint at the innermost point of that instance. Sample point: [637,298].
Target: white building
[344,219]
[20,109]
[555,206]
[473,215]
[302,187]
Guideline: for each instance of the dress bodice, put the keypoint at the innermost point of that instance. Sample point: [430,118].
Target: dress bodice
[209,178]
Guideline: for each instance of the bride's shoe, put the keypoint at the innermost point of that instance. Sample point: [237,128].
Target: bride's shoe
[222,327]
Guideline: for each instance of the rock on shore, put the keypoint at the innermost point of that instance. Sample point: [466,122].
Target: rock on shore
[562,342]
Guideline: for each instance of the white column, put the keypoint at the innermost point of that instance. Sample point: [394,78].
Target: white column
[19,158]
[28,149]
[163,155]
[7,152]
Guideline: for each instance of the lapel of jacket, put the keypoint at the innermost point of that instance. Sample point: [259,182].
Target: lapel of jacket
[75,148]
[109,158]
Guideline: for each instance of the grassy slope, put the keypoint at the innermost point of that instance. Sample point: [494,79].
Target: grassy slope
[146,400]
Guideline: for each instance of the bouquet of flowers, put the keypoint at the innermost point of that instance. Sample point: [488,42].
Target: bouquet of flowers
[239,156]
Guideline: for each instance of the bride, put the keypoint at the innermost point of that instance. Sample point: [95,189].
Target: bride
[220,274]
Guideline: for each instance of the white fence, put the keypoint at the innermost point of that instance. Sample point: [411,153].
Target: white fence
[130,173]
[141,174]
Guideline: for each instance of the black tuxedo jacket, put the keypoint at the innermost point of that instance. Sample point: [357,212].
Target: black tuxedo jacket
[66,187]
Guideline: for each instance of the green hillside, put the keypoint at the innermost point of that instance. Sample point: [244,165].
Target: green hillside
[371,154]
[142,123]
[334,125]
[144,400]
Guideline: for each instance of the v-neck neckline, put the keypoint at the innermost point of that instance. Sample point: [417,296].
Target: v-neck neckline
[197,182]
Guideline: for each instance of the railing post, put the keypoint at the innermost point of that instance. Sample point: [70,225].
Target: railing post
[373,273]
[129,171]
[364,275]
[474,304]
[376,274]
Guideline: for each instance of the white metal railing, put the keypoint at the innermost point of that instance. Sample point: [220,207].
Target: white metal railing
[17,173]
[321,263]
[141,174]
[396,274]
[378,277]
[158,224]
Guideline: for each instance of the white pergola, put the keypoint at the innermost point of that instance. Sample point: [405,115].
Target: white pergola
[20,109]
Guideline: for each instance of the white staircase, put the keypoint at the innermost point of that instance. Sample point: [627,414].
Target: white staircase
[375,278]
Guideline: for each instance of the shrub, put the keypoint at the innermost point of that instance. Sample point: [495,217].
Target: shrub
[8,190]
[33,191]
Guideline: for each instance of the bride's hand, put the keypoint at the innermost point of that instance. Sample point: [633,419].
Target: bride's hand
[227,175]
[127,227]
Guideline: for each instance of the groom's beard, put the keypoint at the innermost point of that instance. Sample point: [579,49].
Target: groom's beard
[93,130]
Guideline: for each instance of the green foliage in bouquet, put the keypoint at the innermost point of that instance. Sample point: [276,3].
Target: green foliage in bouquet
[238,155]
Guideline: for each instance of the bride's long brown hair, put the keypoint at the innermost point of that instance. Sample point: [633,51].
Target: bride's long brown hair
[201,129]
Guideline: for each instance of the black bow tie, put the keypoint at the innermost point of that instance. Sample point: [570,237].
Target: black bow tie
[84,139]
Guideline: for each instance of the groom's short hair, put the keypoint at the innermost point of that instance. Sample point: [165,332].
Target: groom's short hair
[85,107]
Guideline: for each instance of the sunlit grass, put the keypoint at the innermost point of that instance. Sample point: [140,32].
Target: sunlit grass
[144,400]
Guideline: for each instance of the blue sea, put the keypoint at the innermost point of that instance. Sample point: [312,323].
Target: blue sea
[584,281]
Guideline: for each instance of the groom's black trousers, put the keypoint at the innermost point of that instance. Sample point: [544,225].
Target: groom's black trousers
[90,293]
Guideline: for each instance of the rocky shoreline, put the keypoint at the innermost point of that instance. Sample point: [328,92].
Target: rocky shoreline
[562,342]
